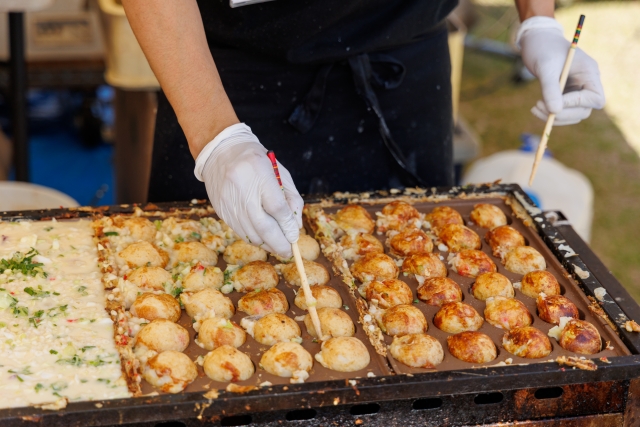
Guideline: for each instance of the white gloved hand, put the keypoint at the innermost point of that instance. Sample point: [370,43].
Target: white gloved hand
[245,193]
[544,50]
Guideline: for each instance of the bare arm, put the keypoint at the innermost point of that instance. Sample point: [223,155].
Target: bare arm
[172,37]
[529,8]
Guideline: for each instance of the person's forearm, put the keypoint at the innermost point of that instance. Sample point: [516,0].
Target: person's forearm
[172,37]
[529,8]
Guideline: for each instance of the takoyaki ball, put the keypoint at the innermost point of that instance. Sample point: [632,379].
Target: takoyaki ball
[455,317]
[503,239]
[325,296]
[424,266]
[216,332]
[287,360]
[524,259]
[527,342]
[263,302]
[402,320]
[417,350]
[309,247]
[388,293]
[539,281]
[141,228]
[552,308]
[355,246]
[228,364]
[343,354]
[192,251]
[507,313]
[472,347]
[396,216]
[354,218]
[410,241]
[143,253]
[316,273]
[201,277]
[170,371]
[273,328]
[458,237]
[488,216]
[579,336]
[489,285]
[439,290]
[334,322]
[241,253]
[441,216]
[253,276]
[472,263]
[207,303]
[152,278]
[374,267]
[213,241]
[161,335]
[152,307]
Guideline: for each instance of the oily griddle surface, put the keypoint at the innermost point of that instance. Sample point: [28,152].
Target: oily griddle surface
[569,287]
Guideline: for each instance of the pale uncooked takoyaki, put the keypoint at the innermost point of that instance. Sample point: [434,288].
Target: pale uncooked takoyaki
[151,306]
[458,237]
[472,347]
[207,303]
[441,216]
[152,278]
[316,273]
[333,321]
[507,313]
[402,320]
[417,350]
[288,360]
[503,239]
[194,251]
[263,302]
[255,275]
[439,290]
[201,277]
[388,293]
[143,253]
[578,336]
[552,308]
[354,218]
[228,364]
[217,331]
[396,216]
[455,317]
[241,253]
[527,342]
[491,284]
[409,241]
[488,216]
[523,260]
[170,371]
[472,263]
[539,281]
[343,354]
[374,267]
[424,266]
[355,246]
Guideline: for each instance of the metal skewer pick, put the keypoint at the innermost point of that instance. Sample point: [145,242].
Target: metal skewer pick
[309,298]
[552,117]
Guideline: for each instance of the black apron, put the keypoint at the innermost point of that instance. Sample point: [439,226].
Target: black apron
[370,120]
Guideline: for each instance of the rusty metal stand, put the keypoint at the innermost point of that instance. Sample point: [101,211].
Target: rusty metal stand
[18,95]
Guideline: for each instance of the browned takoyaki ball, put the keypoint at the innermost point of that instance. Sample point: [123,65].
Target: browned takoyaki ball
[143,253]
[417,350]
[191,251]
[527,342]
[170,371]
[523,260]
[316,273]
[333,321]
[503,239]
[488,216]
[325,296]
[389,293]
[343,354]
[536,282]
[354,218]
[150,277]
[216,332]
[201,277]
[274,328]
[396,216]
[507,313]
[403,319]
[374,267]
[241,253]
[263,302]
[228,364]
[455,317]
[472,263]
[255,275]
[492,285]
[207,303]
[472,347]
[580,336]
[151,307]
[458,237]
[441,216]
[552,308]
[141,228]
[355,246]
[439,290]
[162,335]
[288,360]
[410,241]
[424,266]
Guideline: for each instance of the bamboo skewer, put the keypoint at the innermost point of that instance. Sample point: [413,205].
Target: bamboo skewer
[552,117]
[309,298]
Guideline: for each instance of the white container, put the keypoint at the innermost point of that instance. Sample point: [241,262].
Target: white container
[127,67]
[18,196]
[556,187]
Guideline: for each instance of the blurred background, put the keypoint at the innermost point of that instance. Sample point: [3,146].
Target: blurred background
[91,101]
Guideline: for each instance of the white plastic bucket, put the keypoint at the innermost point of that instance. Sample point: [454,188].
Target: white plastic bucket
[18,196]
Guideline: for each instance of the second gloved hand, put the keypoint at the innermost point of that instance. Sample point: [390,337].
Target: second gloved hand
[245,193]
[544,51]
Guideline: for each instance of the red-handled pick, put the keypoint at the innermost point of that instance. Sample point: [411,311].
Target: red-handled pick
[309,298]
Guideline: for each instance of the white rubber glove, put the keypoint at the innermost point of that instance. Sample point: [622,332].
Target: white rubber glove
[245,193]
[544,50]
